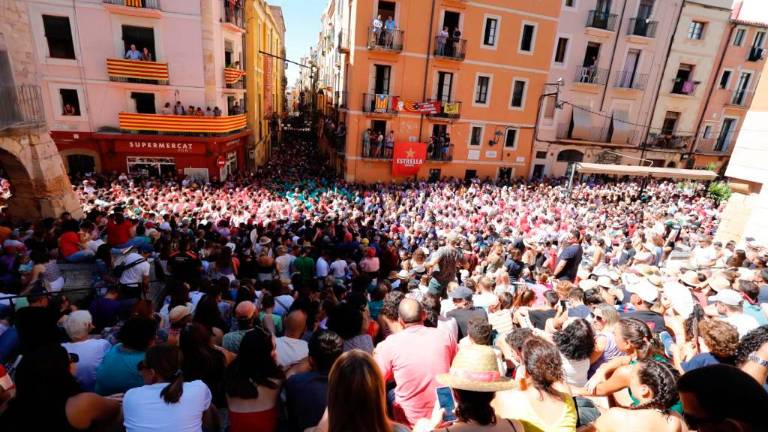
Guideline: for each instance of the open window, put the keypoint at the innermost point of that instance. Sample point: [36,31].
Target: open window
[144,102]
[58,34]
[140,37]
[70,105]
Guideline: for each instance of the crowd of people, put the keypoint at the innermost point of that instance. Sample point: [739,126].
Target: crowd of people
[383,32]
[178,109]
[287,300]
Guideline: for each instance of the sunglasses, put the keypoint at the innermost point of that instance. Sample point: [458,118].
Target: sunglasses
[597,317]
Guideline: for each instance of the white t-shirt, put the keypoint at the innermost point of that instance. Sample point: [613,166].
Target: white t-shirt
[321,268]
[290,351]
[283,264]
[484,300]
[575,371]
[282,304]
[144,410]
[743,323]
[338,268]
[133,276]
[91,353]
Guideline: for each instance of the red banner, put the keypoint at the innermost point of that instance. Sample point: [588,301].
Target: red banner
[432,107]
[408,158]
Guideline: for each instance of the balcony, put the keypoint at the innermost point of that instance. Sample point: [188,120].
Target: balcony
[668,141]
[374,151]
[440,154]
[232,15]
[756,54]
[137,71]
[591,75]
[233,78]
[684,87]
[340,98]
[180,124]
[631,80]
[642,27]
[21,106]
[140,4]
[601,20]
[448,110]
[383,40]
[740,98]
[450,48]
[378,104]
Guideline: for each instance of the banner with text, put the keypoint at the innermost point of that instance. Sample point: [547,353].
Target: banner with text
[432,107]
[408,158]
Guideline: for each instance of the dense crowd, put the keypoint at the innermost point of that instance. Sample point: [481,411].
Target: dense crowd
[286,299]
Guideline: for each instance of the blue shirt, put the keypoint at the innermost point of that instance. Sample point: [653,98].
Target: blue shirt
[389,25]
[133,55]
[118,372]
[307,397]
[699,361]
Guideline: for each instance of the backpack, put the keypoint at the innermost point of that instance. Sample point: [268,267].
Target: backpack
[121,268]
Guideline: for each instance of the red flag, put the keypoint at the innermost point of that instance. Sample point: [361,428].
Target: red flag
[408,157]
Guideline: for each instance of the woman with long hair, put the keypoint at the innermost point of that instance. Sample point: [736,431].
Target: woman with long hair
[356,397]
[203,361]
[541,403]
[575,342]
[165,402]
[655,384]
[604,320]
[252,384]
[48,397]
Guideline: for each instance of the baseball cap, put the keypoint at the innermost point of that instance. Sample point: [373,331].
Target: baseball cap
[146,248]
[178,313]
[680,297]
[728,297]
[645,290]
[461,292]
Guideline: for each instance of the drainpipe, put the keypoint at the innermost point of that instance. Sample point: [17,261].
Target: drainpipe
[661,81]
[712,85]
[426,65]
[613,54]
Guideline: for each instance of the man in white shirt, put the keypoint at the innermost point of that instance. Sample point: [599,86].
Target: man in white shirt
[290,348]
[283,263]
[90,351]
[338,268]
[704,255]
[136,276]
[728,303]
[322,267]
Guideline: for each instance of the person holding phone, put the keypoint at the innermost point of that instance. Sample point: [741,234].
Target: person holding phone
[464,404]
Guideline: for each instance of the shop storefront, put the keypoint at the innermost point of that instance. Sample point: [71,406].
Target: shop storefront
[204,158]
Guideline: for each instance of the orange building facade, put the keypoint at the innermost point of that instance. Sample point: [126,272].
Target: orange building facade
[474,69]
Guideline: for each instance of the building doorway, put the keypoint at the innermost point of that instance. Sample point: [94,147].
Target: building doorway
[151,166]
[434,175]
[80,165]
[505,175]
[381,79]
[444,86]
[591,54]
[386,9]
[144,102]
[469,175]
[538,171]
[142,37]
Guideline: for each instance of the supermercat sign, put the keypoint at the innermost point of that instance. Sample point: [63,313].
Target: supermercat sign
[154,147]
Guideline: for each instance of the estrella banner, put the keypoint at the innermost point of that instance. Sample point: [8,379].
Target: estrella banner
[382,103]
[451,108]
[408,157]
[416,107]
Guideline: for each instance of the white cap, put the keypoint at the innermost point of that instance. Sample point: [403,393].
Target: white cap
[727,297]
[645,290]
[680,297]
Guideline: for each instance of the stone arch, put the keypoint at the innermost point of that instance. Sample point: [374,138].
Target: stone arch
[76,152]
[39,183]
[570,156]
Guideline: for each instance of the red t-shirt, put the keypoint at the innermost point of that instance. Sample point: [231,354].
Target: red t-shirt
[118,234]
[69,243]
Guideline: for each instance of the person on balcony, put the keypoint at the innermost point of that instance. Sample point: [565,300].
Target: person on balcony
[191,110]
[389,144]
[378,24]
[133,53]
[446,147]
[208,112]
[216,112]
[455,43]
[367,143]
[178,109]
[442,38]
[236,109]
[389,28]
[146,55]
[166,109]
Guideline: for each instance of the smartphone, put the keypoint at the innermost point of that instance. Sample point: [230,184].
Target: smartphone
[445,399]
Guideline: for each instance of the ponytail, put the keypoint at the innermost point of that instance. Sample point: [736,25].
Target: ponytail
[171,393]
[662,378]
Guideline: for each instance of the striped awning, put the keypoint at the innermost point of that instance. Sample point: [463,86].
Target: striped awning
[121,68]
[179,123]
[232,75]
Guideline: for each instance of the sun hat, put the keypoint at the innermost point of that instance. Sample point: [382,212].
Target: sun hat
[691,278]
[605,282]
[403,274]
[645,290]
[680,297]
[587,284]
[264,240]
[728,297]
[178,313]
[462,293]
[475,369]
[719,283]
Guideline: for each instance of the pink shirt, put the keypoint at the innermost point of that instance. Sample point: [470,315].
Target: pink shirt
[414,357]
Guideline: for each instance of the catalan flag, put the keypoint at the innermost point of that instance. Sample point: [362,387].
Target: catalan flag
[382,103]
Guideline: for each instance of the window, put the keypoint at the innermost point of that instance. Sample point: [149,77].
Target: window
[470,174]
[724,79]
[570,3]
[145,102]
[477,136]
[549,107]
[759,40]
[527,38]
[570,156]
[518,94]
[481,90]
[696,30]
[562,47]
[491,31]
[59,37]
[541,155]
[707,132]
[70,105]
[670,122]
[510,140]
[738,38]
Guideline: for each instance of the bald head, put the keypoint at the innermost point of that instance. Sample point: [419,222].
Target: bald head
[295,323]
[410,312]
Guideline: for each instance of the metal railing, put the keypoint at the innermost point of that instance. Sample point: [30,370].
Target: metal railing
[144,4]
[388,40]
[21,106]
[450,48]
[375,150]
[684,87]
[756,54]
[668,141]
[601,20]
[340,98]
[631,79]
[232,14]
[451,109]
[642,27]
[591,75]
[740,97]
[440,153]
[378,103]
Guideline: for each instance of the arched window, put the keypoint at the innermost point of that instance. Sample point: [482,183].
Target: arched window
[570,156]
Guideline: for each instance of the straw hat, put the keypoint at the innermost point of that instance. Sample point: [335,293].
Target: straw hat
[691,278]
[587,284]
[475,369]
[178,313]
[264,240]
[719,283]
[605,282]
